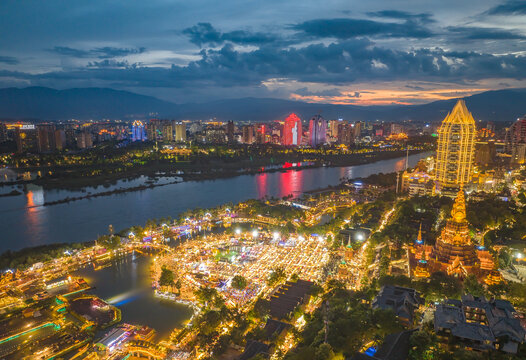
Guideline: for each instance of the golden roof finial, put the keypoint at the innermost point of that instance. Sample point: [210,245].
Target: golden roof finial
[459,207]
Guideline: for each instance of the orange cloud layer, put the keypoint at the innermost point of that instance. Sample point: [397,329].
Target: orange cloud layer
[387,97]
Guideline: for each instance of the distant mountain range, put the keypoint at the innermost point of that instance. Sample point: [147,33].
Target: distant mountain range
[46,104]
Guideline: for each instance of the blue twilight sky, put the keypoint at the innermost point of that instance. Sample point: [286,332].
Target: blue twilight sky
[339,51]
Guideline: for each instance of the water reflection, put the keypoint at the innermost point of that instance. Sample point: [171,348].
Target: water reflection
[400,165]
[261,180]
[290,183]
[84,220]
[126,284]
[35,212]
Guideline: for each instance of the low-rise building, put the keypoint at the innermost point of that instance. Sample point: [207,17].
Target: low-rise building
[403,301]
[289,297]
[480,324]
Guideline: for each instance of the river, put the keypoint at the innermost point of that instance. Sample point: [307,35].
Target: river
[25,222]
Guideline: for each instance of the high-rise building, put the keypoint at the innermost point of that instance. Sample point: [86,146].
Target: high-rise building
[230,131]
[357,129]
[138,132]
[3,132]
[333,128]
[60,139]
[485,153]
[153,130]
[345,134]
[215,135]
[180,132]
[455,150]
[46,137]
[84,140]
[167,130]
[516,133]
[516,140]
[317,131]
[248,136]
[518,154]
[70,135]
[292,130]
[261,134]
[396,129]
[26,138]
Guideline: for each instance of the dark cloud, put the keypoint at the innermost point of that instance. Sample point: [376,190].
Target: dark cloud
[9,60]
[67,51]
[424,18]
[510,7]
[338,63]
[111,63]
[414,87]
[329,92]
[205,34]
[481,33]
[101,52]
[110,52]
[344,28]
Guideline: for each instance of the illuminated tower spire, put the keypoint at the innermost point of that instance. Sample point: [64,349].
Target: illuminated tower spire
[419,236]
[455,150]
[458,213]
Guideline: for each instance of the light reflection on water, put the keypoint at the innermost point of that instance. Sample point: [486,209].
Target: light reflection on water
[84,220]
[126,284]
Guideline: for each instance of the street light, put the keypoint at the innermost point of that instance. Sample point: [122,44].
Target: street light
[359,237]
[276,235]
[255,233]
[238,231]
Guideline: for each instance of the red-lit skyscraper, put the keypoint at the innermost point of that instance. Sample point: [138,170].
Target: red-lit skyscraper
[292,130]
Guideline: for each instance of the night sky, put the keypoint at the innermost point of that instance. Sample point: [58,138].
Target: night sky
[338,51]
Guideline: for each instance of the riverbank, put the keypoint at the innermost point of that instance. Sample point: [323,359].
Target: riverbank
[11,193]
[210,170]
[213,175]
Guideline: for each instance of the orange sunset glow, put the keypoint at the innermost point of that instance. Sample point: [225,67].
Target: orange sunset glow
[387,97]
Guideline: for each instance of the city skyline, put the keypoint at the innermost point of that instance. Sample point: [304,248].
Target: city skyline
[361,53]
[263,180]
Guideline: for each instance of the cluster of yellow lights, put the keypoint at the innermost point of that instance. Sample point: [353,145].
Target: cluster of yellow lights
[456,145]
[400,136]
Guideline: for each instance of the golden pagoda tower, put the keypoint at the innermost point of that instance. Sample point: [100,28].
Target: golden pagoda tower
[419,249]
[454,251]
[455,150]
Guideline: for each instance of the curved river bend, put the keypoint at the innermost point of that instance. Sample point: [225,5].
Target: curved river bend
[24,223]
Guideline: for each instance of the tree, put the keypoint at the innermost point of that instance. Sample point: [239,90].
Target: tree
[316,290]
[324,352]
[206,294]
[423,345]
[385,260]
[472,286]
[178,286]
[167,277]
[239,282]
[276,276]
[261,308]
